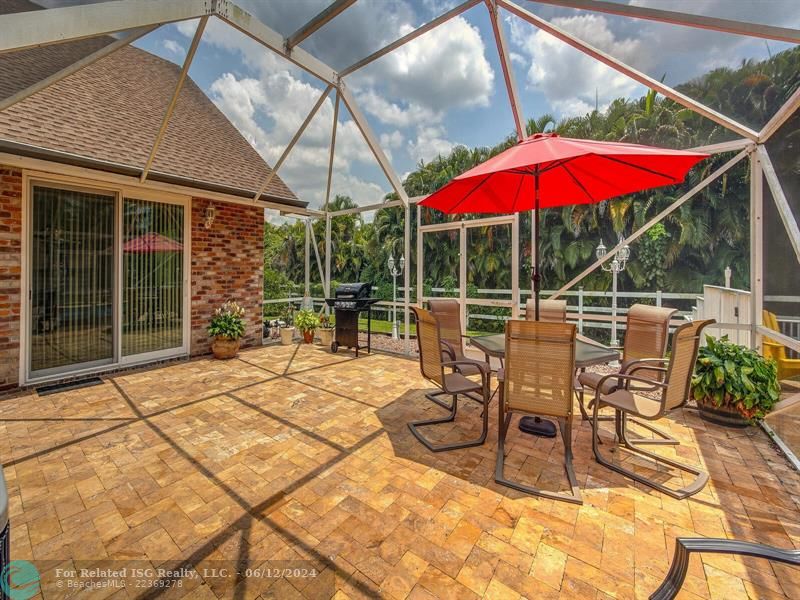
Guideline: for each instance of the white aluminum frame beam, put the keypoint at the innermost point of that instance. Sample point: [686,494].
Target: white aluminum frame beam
[314,109]
[629,71]
[769,32]
[372,141]
[366,208]
[508,71]
[187,63]
[76,66]
[784,210]
[722,147]
[332,150]
[454,12]
[252,27]
[780,117]
[756,250]
[328,14]
[659,217]
[54,25]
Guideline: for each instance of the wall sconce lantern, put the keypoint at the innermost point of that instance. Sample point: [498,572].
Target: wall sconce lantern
[210,215]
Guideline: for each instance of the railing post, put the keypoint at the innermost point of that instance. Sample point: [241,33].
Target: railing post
[658,298]
[580,310]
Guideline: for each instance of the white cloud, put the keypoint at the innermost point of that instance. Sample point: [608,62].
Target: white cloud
[445,68]
[429,144]
[174,47]
[394,114]
[392,140]
[570,80]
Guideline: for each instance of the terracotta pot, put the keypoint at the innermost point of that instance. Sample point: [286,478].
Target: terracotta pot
[726,416]
[325,336]
[225,348]
[287,335]
[308,336]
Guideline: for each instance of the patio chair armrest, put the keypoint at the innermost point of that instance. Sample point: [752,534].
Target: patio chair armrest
[684,547]
[641,363]
[627,379]
[481,369]
[447,348]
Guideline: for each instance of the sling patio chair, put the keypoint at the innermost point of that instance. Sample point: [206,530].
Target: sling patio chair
[674,387]
[550,311]
[448,314]
[646,336]
[454,383]
[538,379]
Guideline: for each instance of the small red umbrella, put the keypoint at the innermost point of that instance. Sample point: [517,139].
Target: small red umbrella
[547,170]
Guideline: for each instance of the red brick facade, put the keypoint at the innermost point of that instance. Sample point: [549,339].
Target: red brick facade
[227,264]
[10,271]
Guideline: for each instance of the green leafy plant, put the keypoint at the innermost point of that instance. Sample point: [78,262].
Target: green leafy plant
[287,316]
[227,322]
[727,374]
[306,320]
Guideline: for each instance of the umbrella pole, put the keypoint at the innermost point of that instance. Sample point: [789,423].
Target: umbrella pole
[535,223]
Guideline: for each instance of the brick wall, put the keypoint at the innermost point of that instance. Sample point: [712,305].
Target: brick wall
[10,271]
[227,264]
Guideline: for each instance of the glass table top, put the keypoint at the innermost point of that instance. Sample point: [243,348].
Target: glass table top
[587,351]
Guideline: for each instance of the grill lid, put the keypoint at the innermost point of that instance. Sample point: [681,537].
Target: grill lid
[353,290]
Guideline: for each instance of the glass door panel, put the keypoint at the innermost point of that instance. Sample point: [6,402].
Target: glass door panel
[72,280]
[152,276]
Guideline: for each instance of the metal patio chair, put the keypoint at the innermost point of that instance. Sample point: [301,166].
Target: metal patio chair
[455,384]
[448,314]
[538,379]
[646,336]
[550,311]
[674,387]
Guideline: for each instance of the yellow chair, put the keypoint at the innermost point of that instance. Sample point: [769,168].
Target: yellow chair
[787,367]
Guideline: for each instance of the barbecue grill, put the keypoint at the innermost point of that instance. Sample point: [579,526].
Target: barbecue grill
[350,301]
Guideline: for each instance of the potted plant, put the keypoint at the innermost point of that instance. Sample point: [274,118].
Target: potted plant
[732,384]
[325,331]
[287,325]
[227,328]
[307,321]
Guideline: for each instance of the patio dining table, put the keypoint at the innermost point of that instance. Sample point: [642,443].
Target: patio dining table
[587,352]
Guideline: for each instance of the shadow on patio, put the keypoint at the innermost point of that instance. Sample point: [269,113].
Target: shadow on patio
[294,456]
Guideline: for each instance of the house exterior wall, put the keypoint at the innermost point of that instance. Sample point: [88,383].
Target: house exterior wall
[227,264]
[10,272]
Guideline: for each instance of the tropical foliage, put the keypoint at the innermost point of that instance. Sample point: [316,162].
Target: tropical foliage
[728,374]
[691,247]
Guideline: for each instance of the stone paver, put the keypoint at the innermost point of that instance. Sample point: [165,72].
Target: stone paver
[295,456]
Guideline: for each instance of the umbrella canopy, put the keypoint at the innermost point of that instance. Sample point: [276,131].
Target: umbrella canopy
[569,172]
[547,170]
[151,242]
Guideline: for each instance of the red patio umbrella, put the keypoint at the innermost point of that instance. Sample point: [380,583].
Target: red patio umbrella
[547,170]
[151,242]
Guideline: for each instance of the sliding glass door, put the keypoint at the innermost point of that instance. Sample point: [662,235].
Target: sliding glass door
[152,276]
[106,279]
[71,280]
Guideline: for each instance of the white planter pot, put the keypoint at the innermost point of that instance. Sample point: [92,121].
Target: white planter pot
[325,337]
[287,335]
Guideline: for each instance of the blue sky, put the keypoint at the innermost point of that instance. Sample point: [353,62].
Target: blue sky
[446,87]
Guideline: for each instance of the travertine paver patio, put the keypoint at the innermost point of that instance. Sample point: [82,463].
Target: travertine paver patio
[296,454]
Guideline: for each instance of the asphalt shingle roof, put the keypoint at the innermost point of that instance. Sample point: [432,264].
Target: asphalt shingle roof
[111,111]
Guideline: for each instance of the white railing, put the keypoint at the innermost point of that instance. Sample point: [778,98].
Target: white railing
[584,315]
